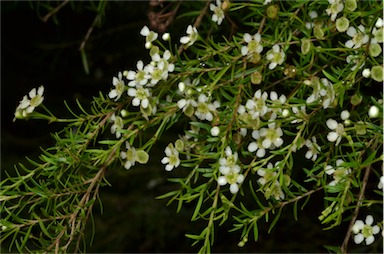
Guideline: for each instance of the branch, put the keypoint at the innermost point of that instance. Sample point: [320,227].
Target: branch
[54,11]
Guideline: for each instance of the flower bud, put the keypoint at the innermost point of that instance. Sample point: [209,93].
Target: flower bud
[272,11]
[342,24]
[373,112]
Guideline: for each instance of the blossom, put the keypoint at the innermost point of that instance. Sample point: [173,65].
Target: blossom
[204,109]
[172,158]
[253,46]
[150,36]
[335,7]
[313,148]
[358,37]
[257,106]
[192,36]
[338,131]
[275,56]
[119,85]
[139,77]
[365,231]
[218,12]
[117,125]
[130,156]
[322,89]
[272,136]
[339,173]
[141,96]
[233,179]
[230,171]
[27,106]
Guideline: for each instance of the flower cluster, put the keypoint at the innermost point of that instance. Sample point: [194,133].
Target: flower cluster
[269,181]
[132,155]
[339,173]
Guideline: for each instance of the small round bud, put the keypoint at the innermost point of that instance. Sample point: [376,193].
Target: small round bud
[215,131]
[166,37]
[366,73]
[148,45]
[256,78]
[179,145]
[124,113]
[181,86]
[285,113]
[373,112]
[344,115]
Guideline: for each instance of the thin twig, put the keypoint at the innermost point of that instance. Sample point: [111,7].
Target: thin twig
[46,17]
[82,45]
[344,246]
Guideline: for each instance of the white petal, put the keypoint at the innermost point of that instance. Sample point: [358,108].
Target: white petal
[369,220]
[169,167]
[184,39]
[32,93]
[132,92]
[165,160]
[247,37]
[266,143]
[332,124]
[234,188]
[222,180]
[252,147]
[332,136]
[369,240]
[144,31]
[358,238]
[260,153]
[112,94]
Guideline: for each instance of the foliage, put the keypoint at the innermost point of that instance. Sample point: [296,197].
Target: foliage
[252,85]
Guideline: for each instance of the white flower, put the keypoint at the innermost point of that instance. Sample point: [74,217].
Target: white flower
[272,136]
[257,106]
[344,114]
[337,133]
[335,7]
[139,77]
[204,109]
[172,158]
[119,85]
[322,89]
[358,37]
[365,231]
[27,106]
[191,38]
[141,96]
[233,179]
[339,173]
[253,46]
[313,148]
[130,156]
[117,125]
[230,171]
[218,13]
[275,56]
[150,36]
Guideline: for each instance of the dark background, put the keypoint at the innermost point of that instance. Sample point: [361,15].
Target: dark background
[35,53]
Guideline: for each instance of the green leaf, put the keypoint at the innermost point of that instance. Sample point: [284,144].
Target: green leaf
[198,205]
[275,220]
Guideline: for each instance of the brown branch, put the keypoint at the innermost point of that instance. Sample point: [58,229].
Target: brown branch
[54,11]
[90,29]
[344,246]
